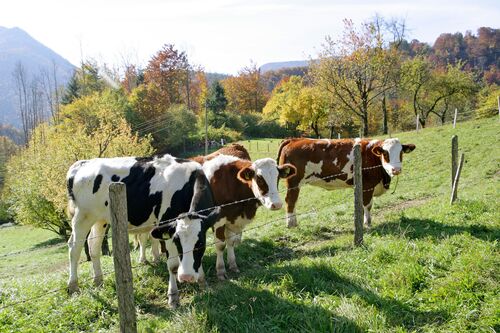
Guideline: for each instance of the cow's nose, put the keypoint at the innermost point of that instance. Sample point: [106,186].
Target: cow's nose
[276,206]
[186,278]
[396,171]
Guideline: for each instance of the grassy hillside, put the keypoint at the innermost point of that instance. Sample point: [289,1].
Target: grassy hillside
[425,266]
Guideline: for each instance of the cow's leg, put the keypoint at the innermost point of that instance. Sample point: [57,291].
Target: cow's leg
[80,229]
[291,199]
[95,244]
[143,238]
[155,249]
[367,206]
[232,239]
[201,278]
[220,245]
[173,292]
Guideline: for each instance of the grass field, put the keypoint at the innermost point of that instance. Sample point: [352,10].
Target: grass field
[425,266]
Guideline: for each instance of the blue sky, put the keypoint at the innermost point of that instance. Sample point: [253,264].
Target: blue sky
[221,35]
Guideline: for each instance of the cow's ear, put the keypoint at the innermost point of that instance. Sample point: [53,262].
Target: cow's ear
[287,170]
[164,231]
[377,150]
[408,148]
[246,174]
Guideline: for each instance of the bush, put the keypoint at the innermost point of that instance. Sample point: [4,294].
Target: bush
[35,186]
[488,102]
[258,127]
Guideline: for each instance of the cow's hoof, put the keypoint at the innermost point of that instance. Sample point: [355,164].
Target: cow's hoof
[173,300]
[73,288]
[98,281]
[222,276]
[292,224]
[203,284]
[234,269]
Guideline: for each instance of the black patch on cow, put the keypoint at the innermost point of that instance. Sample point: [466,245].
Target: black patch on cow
[181,200]
[140,203]
[178,245]
[70,187]
[115,178]
[97,183]
[182,160]
[144,159]
[106,203]
[386,179]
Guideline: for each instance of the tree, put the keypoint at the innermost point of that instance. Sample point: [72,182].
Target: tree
[93,127]
[168,70]
[282,106]
[246,92]
[356,70]
[216,103]
[488,102]
[430,89]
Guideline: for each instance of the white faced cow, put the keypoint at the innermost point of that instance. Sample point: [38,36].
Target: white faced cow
[237,179]
[329,164]
[158,189]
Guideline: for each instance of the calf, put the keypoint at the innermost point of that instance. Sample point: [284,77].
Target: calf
[158,189]
[240,186]
[329,164]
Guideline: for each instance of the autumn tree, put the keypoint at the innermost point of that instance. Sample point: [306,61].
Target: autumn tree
[246,92]
[356,70]
[282,105]
[168,70]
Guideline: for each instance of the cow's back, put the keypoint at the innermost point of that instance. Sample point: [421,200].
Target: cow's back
[153,186]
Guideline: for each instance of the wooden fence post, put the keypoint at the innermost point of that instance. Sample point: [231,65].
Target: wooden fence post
[417,123]
[121,257]
[338,136]
[358,196]
[455,118]
[457,177]
[257,145]
[454,158]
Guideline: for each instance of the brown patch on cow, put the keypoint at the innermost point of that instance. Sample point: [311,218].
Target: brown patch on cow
[219,233]
[261,183]
[234,149]
[227,188]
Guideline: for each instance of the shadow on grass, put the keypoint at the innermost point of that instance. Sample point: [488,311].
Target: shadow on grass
[417,228]
[48,242]
[232,308]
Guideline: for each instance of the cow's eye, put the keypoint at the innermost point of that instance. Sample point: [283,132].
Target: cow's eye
[386,156]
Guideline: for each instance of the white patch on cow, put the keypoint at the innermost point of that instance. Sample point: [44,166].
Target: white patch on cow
[188,231]
[328,142]
[393,147]
[357,140]
[268,170]
[335,161]
[210,167]
[372,143]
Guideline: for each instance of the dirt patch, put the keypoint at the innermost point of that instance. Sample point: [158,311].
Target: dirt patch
[400,206]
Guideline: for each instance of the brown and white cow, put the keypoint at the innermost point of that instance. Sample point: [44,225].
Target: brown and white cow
[233,178]
[329,164]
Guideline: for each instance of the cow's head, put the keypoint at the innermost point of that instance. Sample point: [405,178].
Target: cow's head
[262,176]
[390,152]
[186,238]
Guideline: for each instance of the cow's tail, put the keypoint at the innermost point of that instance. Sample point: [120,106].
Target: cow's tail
[282,145]
[70,177]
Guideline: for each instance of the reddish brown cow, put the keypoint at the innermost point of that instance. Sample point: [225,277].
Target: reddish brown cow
[234,149]
[329,164]
[233,177]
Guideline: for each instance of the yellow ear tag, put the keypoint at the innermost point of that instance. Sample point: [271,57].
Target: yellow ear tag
[165,236]
[247,176]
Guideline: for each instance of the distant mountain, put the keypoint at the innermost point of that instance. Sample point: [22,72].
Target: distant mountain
[17,46]
[274,66]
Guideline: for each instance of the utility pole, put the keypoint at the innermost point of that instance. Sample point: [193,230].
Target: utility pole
[206,129]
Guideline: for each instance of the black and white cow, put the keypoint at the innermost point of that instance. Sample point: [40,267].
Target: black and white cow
[158,189]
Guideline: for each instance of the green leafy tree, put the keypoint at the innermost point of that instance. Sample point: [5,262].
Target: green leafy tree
[93,126]
[217,103]
[488,103]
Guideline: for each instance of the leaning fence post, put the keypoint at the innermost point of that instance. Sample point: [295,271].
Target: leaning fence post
[457,177]
[358,196]
[455,118]
[454,158]
[121,257]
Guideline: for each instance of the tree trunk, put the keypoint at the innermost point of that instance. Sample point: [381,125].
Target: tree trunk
[331,132]
[365,126]
[314,126]
[384,112]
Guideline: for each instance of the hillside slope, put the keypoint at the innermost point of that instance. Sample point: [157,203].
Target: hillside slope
[425,266]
